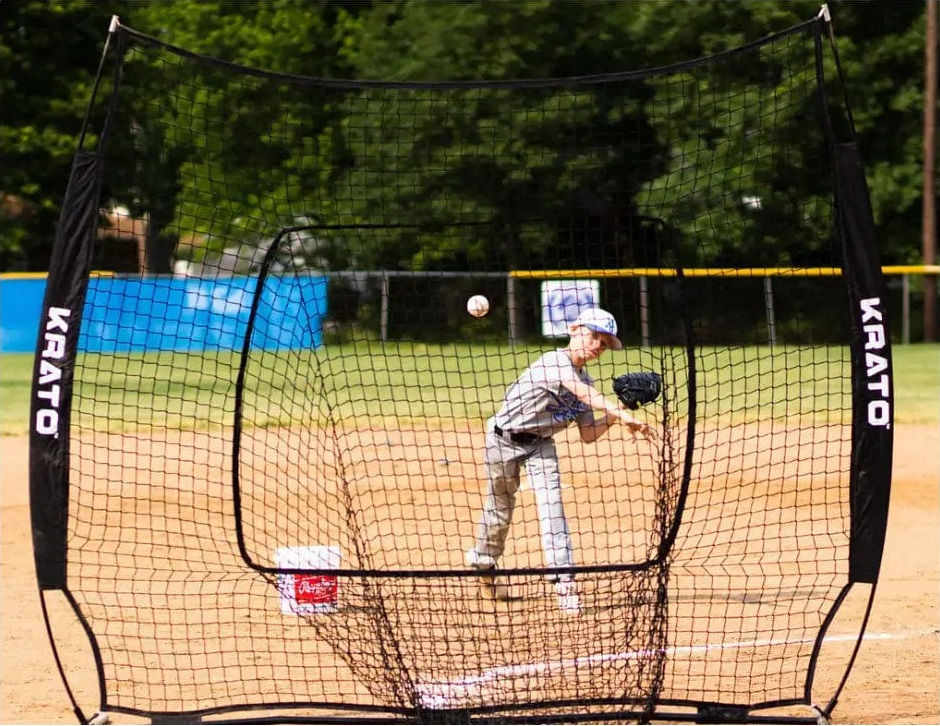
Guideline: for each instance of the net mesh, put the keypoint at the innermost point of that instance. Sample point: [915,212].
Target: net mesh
[276,452]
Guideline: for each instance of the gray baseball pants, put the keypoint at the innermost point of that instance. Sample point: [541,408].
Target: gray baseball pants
[503,462]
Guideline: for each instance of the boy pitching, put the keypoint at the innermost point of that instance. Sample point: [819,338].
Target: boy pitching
[551,393]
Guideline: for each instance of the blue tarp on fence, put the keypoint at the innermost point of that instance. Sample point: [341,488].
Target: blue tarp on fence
[124,314]
[20,307]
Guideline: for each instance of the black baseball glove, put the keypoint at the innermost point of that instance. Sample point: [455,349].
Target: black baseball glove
[638,389]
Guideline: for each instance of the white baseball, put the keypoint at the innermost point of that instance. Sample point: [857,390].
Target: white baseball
[478,306]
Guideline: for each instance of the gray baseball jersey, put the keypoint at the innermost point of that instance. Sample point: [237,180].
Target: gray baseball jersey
[538,403]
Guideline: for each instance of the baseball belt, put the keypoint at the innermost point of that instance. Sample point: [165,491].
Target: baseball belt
[517,438]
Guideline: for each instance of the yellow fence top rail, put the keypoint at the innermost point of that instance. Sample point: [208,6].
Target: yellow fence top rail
[931,270]
[720,272]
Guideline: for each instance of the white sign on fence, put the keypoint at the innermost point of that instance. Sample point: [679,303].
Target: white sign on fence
[563,301]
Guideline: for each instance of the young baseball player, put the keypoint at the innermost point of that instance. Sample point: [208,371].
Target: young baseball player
[551,393]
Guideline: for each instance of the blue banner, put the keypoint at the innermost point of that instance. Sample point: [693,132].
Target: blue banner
[174,313]
[20,308]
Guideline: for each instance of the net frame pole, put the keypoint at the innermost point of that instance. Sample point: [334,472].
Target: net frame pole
[513,310]
[644,311]
[769,306]
[905,309]
[383,318]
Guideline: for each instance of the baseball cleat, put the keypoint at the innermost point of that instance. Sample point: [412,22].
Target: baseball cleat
[569,599]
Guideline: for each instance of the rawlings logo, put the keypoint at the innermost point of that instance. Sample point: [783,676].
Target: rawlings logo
[315,589]
[50,372]
[876,364]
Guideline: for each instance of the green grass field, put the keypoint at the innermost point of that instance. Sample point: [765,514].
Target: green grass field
[421,382]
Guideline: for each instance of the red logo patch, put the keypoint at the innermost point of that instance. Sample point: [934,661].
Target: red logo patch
[315,589]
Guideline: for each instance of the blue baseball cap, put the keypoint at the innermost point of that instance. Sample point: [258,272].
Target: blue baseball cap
[600,321]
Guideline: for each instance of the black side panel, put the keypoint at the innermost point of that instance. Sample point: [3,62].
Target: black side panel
[872,388]
[54,366]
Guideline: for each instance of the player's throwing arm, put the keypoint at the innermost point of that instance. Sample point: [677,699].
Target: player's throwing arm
[615,414]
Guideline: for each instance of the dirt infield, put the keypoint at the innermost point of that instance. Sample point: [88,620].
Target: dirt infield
[895,679]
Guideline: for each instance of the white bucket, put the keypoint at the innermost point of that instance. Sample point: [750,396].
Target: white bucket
[307,594]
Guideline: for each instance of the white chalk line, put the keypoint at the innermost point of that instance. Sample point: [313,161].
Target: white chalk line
[441,694]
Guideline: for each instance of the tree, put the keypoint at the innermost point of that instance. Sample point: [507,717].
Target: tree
[50,52]
[48,61]
[48,58]
[505,160]
[267,149]
[881,45]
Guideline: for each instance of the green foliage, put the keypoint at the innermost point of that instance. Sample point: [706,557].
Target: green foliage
[516,150]
[489,155]
[256,177]
[881,46]
[48,58]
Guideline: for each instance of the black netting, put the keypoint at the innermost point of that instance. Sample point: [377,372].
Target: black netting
[276,451]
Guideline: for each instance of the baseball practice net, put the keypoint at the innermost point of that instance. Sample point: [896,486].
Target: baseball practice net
[251,502]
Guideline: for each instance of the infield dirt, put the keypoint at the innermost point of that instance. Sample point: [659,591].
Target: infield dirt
[896,679]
